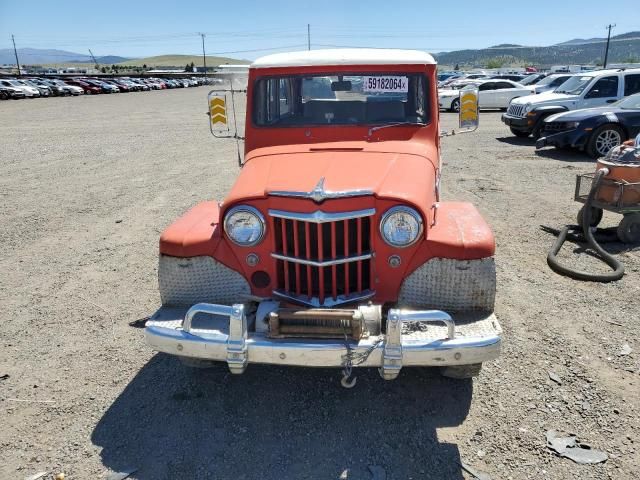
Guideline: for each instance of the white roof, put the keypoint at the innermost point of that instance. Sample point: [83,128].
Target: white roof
[345,56]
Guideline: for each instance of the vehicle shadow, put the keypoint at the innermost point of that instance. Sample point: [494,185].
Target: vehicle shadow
[564,154]
[275,423]
[517,141]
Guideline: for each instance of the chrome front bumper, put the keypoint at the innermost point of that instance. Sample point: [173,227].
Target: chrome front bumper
[220,332]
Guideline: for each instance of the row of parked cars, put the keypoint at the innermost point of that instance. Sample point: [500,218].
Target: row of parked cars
[592,111]
[495,91]
[33,87]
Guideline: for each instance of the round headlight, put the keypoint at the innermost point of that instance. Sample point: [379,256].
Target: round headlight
[244,225]
[401,226]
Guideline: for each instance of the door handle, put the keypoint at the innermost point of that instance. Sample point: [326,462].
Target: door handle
[610,101]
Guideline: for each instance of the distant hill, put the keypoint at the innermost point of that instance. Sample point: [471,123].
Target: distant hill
[106,60]
[36,56]
[62,58]
[180,61]
[624,48]
[580,41]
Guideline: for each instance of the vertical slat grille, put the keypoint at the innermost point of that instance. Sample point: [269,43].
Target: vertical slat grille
[323,262]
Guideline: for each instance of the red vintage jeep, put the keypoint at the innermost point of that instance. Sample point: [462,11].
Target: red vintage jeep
[332,248]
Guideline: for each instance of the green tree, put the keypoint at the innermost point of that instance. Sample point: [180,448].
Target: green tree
[495,62]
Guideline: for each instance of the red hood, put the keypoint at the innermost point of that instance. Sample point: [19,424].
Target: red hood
[387,169]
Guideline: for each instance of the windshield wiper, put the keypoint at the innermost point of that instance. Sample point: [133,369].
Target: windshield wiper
[380,127]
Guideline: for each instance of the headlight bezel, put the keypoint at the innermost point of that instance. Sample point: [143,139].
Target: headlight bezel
[246,209]
[404,209]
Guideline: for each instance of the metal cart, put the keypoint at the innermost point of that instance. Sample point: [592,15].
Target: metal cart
[613,196]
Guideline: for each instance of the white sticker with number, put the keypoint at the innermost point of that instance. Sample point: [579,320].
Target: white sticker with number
[386,84]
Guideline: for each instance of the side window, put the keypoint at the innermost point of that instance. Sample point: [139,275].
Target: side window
[487,86]
[605,87]
[631,84]
[502,85]
[285,96]
[272,100]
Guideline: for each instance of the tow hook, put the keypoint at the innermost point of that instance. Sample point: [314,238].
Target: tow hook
[348,381]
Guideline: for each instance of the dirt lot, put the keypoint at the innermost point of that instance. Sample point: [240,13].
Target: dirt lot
[87,185]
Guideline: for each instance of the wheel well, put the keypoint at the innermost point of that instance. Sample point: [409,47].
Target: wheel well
[607,124]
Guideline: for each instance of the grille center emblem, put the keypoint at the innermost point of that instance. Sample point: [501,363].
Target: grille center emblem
[318,194]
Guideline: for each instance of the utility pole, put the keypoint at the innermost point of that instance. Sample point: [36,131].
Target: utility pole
[204,57]
[606,52]
[94,60]
[308,36]
[16,54]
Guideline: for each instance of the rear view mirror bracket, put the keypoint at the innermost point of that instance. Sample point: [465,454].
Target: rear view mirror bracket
[219,122]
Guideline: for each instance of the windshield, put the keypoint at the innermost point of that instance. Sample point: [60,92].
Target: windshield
[575,85]
[547,80]
[629,103]
[344,99]
[529,80]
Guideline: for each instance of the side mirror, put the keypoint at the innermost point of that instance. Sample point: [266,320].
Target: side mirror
[469,115]
[223,120]
[218,115]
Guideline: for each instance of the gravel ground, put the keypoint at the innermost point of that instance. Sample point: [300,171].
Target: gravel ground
[86,187]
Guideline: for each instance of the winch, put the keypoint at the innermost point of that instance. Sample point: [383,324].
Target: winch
[325,323]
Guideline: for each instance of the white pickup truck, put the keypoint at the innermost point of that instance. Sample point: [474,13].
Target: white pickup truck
[591,89]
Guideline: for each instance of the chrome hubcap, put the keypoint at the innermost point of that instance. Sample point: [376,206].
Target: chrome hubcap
[607,140]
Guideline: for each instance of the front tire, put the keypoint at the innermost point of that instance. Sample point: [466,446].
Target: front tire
[519,133]
[455,105]
[603,139]
[460,372]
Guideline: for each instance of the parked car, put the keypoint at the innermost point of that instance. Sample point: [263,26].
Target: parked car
[29,92]
[10,92]
[533,78]
[124,87]
[492,94]
[585,90]
[513,78]
[551,82]
[88,88]
[104,86]
[71,89]
[594,130]
[55,90]
[44,90]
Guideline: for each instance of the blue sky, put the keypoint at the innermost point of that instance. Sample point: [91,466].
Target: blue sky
[249,29]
